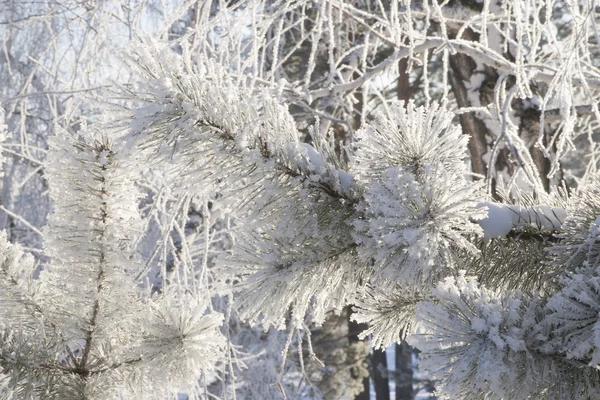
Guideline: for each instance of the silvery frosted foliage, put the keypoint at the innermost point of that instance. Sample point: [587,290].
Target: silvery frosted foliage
[390,315]
[84,328]
[179,341]
[312,233]
[299,256]
[491,344]
[580,240]
[259,359]
[514,262]
[275,280]
[17,289]
[212,126]
[521,77]
[412,137]
[184,116]
[516,237]
[573,320]
[467,335]
[197,230]
[471,339]
[93,221]
[421,208]
[292,202]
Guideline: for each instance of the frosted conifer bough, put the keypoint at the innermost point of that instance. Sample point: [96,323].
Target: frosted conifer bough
[78,330]
[419,210]
[293,201]
[180,341]
[292,198]
[385,226]
[390,315]
[403,212]
[464,341]
[539,343]
[579,245]
[289,267]
[412,137]
[487,344]
[250,108]
[574,317]
[212,127]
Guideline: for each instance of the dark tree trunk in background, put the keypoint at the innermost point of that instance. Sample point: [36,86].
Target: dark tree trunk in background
[404,372]
[403,376]
[379,369]
[361,347]
[354,329]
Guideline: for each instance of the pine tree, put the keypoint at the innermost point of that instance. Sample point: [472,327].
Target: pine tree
[395,212]
[464,220]
[86,328]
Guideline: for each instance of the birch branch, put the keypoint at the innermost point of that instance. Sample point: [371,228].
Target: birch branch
[472,49]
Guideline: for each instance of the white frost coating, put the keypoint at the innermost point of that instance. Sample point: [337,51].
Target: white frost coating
[346,180]
[306,158]
[412,223]
[314,159]
[409,136]
[475,83]
[195,340]
[474,340]
[498,221]
[198,107]
[103,157]
[541,216]
[88,290]
[502,218]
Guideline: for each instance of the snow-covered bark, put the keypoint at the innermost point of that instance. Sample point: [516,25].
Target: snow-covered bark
[501,218]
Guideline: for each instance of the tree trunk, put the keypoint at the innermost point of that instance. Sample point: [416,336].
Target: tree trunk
[380,374]
[404,369]
[358,351]
[404,372]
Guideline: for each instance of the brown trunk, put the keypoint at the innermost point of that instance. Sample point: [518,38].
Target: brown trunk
[461,69]
[342,367]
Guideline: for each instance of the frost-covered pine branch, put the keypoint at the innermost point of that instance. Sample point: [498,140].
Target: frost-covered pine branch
[199,100]
[419,205]
[262,161]
[272,135]
[494,344]
[85,328]
[413,216]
